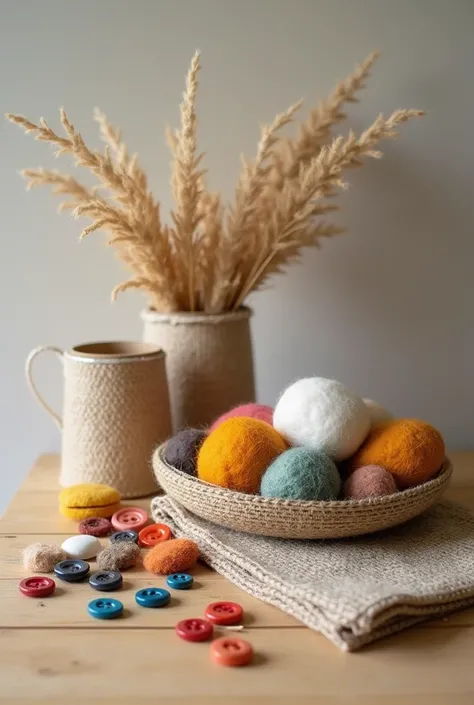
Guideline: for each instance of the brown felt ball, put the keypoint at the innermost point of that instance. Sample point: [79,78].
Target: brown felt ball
[182,449]
[369,481]
[42,557]
[118,556]
[171,556]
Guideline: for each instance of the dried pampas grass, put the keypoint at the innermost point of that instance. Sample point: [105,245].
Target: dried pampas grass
[210,258]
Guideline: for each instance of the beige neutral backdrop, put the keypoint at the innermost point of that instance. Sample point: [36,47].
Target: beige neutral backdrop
[387,308]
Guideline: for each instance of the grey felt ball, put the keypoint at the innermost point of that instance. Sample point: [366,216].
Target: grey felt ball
[301,473]
[182,449]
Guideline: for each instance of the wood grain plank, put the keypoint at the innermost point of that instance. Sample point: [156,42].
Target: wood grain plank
[48,652]
[385,699]
[68,606]
[289,664]
[34,509]
[32,512]
[12,545]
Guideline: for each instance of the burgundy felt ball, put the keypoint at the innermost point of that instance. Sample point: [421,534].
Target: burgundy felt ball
[95,526]
[182,449]
[252,411]
[369,481]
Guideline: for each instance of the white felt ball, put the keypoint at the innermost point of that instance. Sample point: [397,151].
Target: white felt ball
[81,546]
[324,415]
[377,412]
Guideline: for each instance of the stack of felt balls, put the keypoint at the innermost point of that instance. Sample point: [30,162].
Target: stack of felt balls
[321,442]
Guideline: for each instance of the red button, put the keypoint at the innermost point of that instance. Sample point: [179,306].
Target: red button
[194,630]
[153,534]
[229,651]
[133,518]
[224,613]
[37,586]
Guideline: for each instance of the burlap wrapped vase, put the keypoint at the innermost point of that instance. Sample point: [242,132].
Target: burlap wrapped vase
[209,362]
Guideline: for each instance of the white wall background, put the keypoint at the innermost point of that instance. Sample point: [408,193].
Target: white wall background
[387,308]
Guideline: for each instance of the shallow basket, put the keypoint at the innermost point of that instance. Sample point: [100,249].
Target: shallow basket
[296,519]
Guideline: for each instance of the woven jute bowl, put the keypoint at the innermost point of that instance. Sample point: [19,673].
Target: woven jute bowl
[296,519]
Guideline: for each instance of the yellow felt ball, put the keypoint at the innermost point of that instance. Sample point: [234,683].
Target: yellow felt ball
[412,450]
[237,453]
[88,500]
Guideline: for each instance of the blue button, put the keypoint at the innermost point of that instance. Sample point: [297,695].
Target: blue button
[124,536]
[104,608]
[152,597]
[180,581]
[106,580]
[72,571]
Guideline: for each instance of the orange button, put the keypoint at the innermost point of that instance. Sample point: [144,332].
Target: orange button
[230,651]
[133,518]
[153,534]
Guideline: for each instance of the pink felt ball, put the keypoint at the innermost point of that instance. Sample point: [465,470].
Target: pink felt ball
[252,411]
[369,481]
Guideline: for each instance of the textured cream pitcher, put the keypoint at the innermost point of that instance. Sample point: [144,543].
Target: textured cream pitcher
[116,411]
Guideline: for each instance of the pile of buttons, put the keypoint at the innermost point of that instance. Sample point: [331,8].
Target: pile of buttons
[130,524]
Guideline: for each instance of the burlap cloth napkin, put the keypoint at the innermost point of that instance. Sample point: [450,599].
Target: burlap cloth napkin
[353,591]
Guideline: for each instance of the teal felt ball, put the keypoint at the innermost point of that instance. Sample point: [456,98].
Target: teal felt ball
[301,473]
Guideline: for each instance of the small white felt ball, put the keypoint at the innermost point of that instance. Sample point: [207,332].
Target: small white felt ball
[377,412]
[81,546]
[324,415]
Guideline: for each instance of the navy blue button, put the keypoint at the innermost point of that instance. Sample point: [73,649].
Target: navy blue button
[72,571]
[152,597]
[106,580]
[180,581]
[105,608]
[124,536]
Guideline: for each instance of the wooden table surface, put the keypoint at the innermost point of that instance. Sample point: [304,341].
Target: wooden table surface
[51,650]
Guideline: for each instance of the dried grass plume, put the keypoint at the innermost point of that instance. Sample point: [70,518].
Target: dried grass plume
[210,257]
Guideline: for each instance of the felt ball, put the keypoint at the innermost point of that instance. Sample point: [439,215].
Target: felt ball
[301,473]
[171,556]
[118,556]
[251,411]
[377,412]
[182,449]
[42,557]
[238,452]
[369,481]
[82,546]
[412,450]
[88,500]
[95,526]
[323,415]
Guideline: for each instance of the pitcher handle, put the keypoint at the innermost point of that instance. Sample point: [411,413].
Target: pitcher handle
[31,384]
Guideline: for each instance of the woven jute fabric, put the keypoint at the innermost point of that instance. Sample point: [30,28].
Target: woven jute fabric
[296,519]
[209,362]
[353,591]
[114,416]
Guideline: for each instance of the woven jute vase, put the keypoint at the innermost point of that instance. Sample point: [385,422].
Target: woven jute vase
[209,362]
[116,411]
[296,519]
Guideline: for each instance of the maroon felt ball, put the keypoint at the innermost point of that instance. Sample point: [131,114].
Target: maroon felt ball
[369,481]
[95,526]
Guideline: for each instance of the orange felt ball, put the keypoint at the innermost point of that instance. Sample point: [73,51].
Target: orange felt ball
[171,556]
[412,450]
[237,453]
